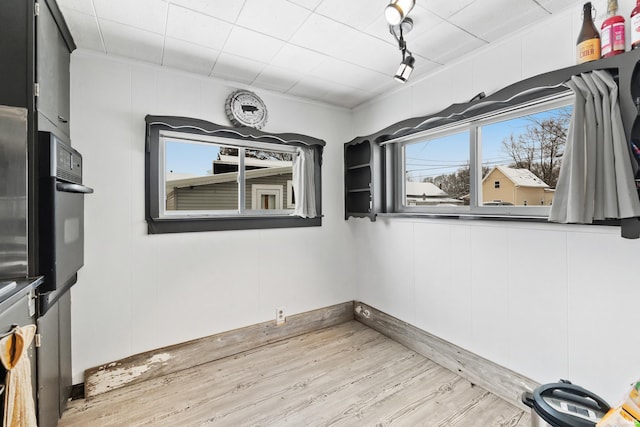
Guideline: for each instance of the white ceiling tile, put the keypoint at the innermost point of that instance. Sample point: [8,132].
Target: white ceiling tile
[284,18]
[84,6]
[370,52]
[422,67]
[196,28]
[149,15]
[310,87]
[131,42]
[189,57]
[322,34]
[391,86]
[379,28]
[252,45]
[555,6]
[225,10]
[297,58]
[443,9]
[354,13]
[236,68]
[278,79]
[444,42]
[423,21]
[307,4]
[84,29]
[348,74]
[345,96]
[480,18]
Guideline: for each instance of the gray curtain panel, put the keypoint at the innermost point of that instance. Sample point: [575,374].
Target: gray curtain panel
[596,180]
[304,186]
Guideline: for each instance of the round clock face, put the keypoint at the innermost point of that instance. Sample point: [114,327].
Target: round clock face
[245,108]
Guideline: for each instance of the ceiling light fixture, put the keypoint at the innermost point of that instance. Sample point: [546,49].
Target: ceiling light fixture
[397,10]
[408,61]
[405,69]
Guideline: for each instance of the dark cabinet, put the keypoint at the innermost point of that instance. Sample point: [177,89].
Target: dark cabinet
[362,186]
[35,46]
[52,72]
[19,309]
[54,362]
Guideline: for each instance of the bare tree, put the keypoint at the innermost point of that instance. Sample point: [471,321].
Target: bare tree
[541,146]
[455,184]
[257,154]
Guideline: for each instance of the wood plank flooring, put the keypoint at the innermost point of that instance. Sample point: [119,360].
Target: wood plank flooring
[346,375]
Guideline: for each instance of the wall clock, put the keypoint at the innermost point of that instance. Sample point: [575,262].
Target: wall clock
[245,108]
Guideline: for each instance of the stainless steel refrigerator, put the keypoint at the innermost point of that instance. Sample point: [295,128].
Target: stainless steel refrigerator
[13,193]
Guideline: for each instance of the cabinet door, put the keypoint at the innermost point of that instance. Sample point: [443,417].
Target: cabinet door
[16,20]
[64,350]
[52,70]
[48,355]
[19,314]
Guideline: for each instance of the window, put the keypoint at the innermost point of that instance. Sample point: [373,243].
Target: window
[204,177]
[437,170]
[208,177]
[492,165]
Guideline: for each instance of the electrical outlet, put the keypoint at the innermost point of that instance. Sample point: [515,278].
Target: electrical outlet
[281,316]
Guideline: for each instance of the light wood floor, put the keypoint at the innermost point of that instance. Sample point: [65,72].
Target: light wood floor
[347,375]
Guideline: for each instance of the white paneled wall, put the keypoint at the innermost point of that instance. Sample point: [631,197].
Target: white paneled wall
[137,291]
[545,300]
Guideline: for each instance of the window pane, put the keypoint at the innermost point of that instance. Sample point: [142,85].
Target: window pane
[199,178]
[267,174]
[437,171]
[521,158]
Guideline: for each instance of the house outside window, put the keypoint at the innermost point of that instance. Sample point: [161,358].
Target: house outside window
[207,178]
[291,197]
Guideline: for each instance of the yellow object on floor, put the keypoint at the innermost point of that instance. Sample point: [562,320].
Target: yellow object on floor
[19,408]
[627,414]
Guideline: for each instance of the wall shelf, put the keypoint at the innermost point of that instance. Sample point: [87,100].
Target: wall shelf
[361,169]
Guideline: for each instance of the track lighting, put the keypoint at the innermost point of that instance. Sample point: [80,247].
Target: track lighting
[405,69]
[397,10]
[408,61]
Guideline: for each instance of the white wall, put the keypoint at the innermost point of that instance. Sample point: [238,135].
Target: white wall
[138,291]
[545,300]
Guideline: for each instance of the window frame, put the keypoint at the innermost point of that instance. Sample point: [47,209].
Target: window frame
[182,128]
[474,126]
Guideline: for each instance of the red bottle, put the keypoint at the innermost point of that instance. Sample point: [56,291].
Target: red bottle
[612,33]
[635,26]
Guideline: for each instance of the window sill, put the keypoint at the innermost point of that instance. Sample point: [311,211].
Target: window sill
[485,217]
[187,225]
